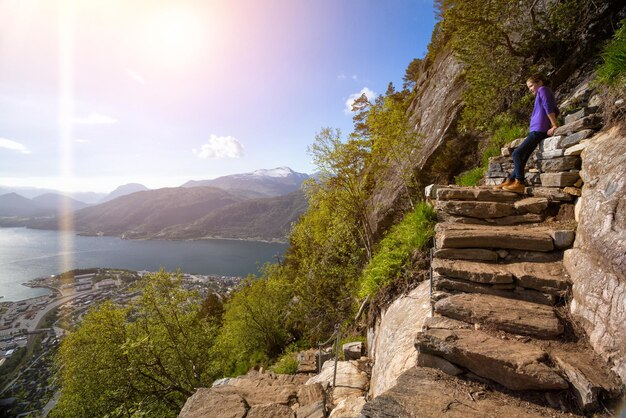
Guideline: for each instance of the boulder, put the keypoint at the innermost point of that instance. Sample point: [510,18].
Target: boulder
[392,349]
[350,380]
[348,408]
[309,394]
[514,365]
[314,410]
[353,350]
[588,377]
[205,403]
[551,143]
[508,315]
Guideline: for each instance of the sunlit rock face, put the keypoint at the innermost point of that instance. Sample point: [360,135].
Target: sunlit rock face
[393,346]
[597,263]
[433,116]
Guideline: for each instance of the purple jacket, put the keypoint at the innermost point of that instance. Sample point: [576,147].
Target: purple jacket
[544,104]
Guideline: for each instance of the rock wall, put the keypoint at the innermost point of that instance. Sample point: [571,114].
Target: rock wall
[433,114]
[393,346]
[597,263]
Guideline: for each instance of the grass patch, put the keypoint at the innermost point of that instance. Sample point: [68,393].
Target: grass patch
[612,71]
[394,251]
[505,129]
[286,364]
[471,177]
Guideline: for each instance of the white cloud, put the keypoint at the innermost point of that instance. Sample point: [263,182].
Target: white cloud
[82,141]
[350,101]
[139,79]
[220,147]
[354,77]
[341,76]
[95,119]
[13,146]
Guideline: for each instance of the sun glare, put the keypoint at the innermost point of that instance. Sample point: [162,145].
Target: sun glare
[175,36]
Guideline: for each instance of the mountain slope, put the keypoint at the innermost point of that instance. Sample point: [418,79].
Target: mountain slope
[141,214]
[12,204]
[123,191]
[260,183]
[266,219]
[55,201]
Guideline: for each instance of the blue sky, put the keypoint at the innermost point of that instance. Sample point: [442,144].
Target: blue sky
[94,94]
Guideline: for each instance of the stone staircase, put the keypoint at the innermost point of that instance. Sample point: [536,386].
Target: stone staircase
[500,296]
[500,291]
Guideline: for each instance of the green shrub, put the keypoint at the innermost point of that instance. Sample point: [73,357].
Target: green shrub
[286,364]
[612,71]
[471,177]
[394,251]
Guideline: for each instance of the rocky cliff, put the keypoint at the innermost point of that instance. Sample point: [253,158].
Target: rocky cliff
[597,263]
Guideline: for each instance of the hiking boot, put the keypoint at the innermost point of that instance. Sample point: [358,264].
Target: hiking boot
[507,182]
[517,187]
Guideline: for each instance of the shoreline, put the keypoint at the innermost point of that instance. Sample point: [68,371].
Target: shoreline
[204,238]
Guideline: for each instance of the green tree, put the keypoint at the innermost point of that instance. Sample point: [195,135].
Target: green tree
[344,179]
[146,358]
[257,321]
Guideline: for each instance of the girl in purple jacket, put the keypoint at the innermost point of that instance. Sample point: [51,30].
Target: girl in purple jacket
[543,123]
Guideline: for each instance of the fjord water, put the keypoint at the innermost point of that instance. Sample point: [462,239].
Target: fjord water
[27,253]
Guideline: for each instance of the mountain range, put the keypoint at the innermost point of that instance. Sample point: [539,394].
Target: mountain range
[257,205]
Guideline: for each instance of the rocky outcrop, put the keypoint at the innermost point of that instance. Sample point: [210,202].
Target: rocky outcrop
[392,349]
[597,263]
[433,116]
[257,395]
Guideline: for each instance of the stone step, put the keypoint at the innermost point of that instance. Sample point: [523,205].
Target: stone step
[526,218]
[476,236]
[588,122]
[452,235]
[514,316]
[475,194]
[446,284]
[488,210]
[549,277]
[590,381]
[513,364]
[423,392]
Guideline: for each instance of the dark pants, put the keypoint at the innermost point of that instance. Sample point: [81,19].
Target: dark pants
[522,153]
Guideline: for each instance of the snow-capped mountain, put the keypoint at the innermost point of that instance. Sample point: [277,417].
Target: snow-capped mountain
[265,182]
